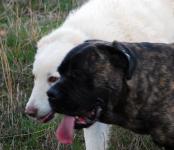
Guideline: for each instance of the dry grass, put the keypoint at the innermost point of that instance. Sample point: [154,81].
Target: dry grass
[22,23]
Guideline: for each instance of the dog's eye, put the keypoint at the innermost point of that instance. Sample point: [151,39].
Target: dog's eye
[52,79]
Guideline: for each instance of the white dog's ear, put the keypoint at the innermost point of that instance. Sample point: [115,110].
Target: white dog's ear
[63,35]
[46,40]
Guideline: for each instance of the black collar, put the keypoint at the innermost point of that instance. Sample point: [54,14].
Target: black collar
[131,57]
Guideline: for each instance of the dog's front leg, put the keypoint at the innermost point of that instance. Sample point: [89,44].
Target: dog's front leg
[97,136]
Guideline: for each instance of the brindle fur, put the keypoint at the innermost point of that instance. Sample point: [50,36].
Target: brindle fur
[147,104]
[144,103]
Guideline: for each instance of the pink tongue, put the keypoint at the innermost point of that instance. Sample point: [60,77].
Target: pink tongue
[64,132]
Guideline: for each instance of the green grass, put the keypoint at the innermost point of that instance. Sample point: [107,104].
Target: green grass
[22,23]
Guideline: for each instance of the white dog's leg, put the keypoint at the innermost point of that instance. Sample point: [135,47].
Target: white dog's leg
[97,136]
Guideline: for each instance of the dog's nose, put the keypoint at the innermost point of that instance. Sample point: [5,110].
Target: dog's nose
[31,111]
[52,93]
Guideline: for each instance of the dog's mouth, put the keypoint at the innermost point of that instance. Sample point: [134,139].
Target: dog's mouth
[65,130]
[46,118]
[88,119]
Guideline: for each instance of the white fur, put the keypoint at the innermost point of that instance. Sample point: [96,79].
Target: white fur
[122,20]
[97,136]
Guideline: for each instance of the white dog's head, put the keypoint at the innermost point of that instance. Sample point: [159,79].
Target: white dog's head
[51,51]
[45,74]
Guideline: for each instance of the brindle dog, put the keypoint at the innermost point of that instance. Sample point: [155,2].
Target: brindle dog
[128,84]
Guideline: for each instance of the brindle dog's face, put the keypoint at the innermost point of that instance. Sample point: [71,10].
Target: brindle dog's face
[92,80]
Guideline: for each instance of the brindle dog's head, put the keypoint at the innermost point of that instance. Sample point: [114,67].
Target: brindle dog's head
[93,81]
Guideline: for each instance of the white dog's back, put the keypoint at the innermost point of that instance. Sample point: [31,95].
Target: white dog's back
[123,20]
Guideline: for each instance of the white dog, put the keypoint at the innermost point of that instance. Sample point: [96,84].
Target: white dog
[122,20]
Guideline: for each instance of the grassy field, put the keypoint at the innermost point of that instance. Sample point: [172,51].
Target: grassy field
[22,23]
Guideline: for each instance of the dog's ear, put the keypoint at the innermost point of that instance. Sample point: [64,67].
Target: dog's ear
[128,54]
[120,54]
